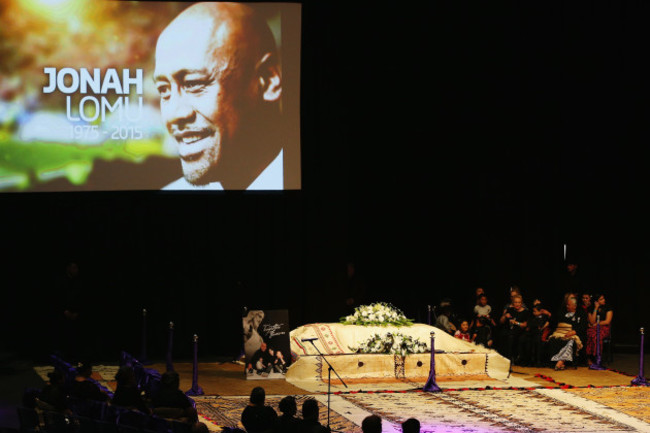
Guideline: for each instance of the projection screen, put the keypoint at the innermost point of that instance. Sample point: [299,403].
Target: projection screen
[120,95]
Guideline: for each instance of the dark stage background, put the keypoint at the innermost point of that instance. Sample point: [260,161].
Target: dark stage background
[445,145]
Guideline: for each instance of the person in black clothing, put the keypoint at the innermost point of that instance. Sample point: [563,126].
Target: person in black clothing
[515,320]
[257,417]
[539,329]
[279,363]
[309,423]
[127,393]
[261,361]
[171,402]
[287,422]
[571,281]
[200,427]
[371,424]
[411,425]
[482,332]
[54,393]
[83,388]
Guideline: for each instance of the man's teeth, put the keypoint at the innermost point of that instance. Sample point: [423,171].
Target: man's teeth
[191,138]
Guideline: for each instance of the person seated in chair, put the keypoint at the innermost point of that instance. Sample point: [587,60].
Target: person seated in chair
[411,425]
[568,336]
[84,388]
[288,422]
[53,395]
[586,302]
[482,332]
[371,424]
[170,402]
[310,423]
[604,312]
[127,394]
[257,417]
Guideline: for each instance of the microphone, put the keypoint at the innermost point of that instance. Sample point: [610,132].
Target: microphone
[309,339]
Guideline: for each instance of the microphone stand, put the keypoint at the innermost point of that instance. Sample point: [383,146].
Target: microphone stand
[330,369]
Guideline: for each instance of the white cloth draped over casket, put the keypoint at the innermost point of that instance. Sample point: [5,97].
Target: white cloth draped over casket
[454,358]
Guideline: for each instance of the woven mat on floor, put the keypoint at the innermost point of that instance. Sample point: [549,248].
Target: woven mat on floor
[587,410]
[104,374]
[226,411]
[473,411]
[487,411]
[634,401]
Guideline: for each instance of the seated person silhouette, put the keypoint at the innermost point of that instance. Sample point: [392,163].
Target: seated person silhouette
[310,423]
[54,396]
[257,417]
[127,394]
[170,402]
[288,422]
[84,388]
[371,424]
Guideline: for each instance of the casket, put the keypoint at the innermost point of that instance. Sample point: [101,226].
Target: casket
[455,359]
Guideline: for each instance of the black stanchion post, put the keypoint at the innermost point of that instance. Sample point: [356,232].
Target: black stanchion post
[431,385]
[170,345]
[640,380]
[196,389]
[429,315]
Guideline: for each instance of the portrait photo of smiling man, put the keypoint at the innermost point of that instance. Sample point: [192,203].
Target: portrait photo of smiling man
[218,73]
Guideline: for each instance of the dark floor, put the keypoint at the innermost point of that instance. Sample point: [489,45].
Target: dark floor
[17,374]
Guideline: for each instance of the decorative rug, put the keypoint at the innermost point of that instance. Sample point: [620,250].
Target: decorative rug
[630,400]
[472,411]
[487,411]
[226,411]
[519,406]
[104,374]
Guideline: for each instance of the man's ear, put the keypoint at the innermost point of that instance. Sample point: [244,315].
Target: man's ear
[269,78]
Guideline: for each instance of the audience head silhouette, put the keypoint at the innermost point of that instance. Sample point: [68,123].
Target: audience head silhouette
[170,380]
[371,424]
[310,410]
[258,395]
[411,425]
[84,369]
[288,406]
[125,376]
[56,377]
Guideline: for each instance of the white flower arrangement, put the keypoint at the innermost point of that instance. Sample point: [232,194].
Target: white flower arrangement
[391,343]
[379,313]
